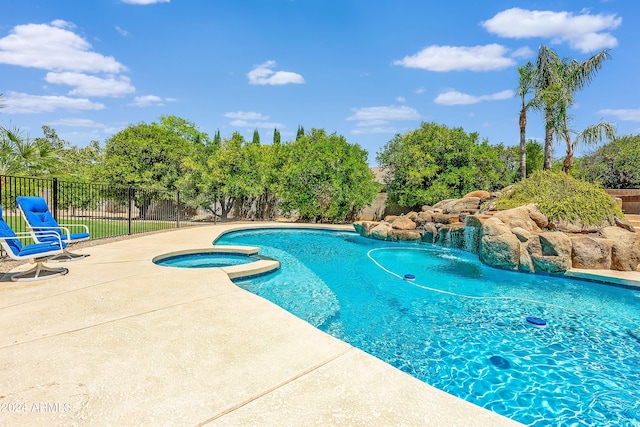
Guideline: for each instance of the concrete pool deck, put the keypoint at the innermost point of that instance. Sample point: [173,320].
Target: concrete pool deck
[122,341]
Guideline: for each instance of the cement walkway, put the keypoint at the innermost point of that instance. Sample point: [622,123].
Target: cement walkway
[121,341]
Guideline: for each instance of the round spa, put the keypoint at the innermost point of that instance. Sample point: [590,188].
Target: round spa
[237,261]
[206,260]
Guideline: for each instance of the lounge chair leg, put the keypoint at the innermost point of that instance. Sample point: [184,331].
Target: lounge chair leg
[39,272]
[67,256]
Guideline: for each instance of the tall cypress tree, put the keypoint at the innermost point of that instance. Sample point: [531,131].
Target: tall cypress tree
[216,139]
[276,136]
[256,137]
[300,132]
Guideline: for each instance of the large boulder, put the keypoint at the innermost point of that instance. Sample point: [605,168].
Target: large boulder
[457,206]
[625,248]
[536,216]
[499,247]
[590,252]
[422,218]
[518,217]
[405,235]
[441,218]
[622,223]
[364,227]
[481,194]
[403,223]
[429,233]
[452,235]
[550,252]
[381,231]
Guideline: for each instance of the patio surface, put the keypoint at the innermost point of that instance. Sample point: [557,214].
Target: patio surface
[122,341]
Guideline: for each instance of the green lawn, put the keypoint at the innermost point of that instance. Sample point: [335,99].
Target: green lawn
[100,228]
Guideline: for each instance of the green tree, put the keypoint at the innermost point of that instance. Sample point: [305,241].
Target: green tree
[614,165]
[591,136]
[300,132]
[325,178]
[276,136]
[216,139]
[535,156]
[256,137]
[19,154]
[149,155]
[556,82]
[435,162]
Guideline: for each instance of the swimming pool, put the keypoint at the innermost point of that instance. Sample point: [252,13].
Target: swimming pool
[461,326]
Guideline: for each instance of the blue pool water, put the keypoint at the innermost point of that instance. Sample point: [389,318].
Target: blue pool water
[205,260]
[461,326]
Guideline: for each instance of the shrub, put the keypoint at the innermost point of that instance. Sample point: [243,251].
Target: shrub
[562,197]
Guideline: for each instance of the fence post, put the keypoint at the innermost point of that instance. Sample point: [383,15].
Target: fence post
[55,199]
[178,210]
[130,215]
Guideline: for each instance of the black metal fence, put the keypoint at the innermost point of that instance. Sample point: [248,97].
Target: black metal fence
[108,211]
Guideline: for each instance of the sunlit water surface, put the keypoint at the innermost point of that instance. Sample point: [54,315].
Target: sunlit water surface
[461,326]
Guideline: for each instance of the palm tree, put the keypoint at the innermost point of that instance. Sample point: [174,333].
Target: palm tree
[21,154]
[556,81]
[591,135]
[525,87]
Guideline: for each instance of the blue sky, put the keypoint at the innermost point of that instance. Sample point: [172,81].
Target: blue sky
[366,69]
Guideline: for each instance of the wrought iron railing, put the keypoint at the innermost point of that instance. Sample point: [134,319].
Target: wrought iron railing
[107,210]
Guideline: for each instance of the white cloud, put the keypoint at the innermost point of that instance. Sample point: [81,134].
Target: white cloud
[122,31]
[367,114]
[523,52]
[264,75]
[77,122]
[455,58]
[86,85]
[145,2]
[251,120]
[246,115]
[53,47]
[453,97]
[401,99]
[253,125]
[23,103]
[379,119]
[627,115]
[150,100]
[584,31]
[420,90]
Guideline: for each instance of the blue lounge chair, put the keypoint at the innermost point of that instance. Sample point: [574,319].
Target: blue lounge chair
[36,252]
[39,219]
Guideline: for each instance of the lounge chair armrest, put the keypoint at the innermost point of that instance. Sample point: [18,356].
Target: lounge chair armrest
[76,225]
[28,236]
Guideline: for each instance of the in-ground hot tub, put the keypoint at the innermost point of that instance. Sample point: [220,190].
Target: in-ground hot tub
[236,261]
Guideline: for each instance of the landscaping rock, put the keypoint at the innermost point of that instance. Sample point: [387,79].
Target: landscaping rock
[403,223]
[536,216]
[422,218]
[625,248]
[522,234]
[469,204]
[480,194]
[622,223]
[518,217]
[473,232]
[412,215]
[441,218]
[452,236]
[405,235]
[429,233]
[499,247]
[381,231]
[550,253]
[589,252]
